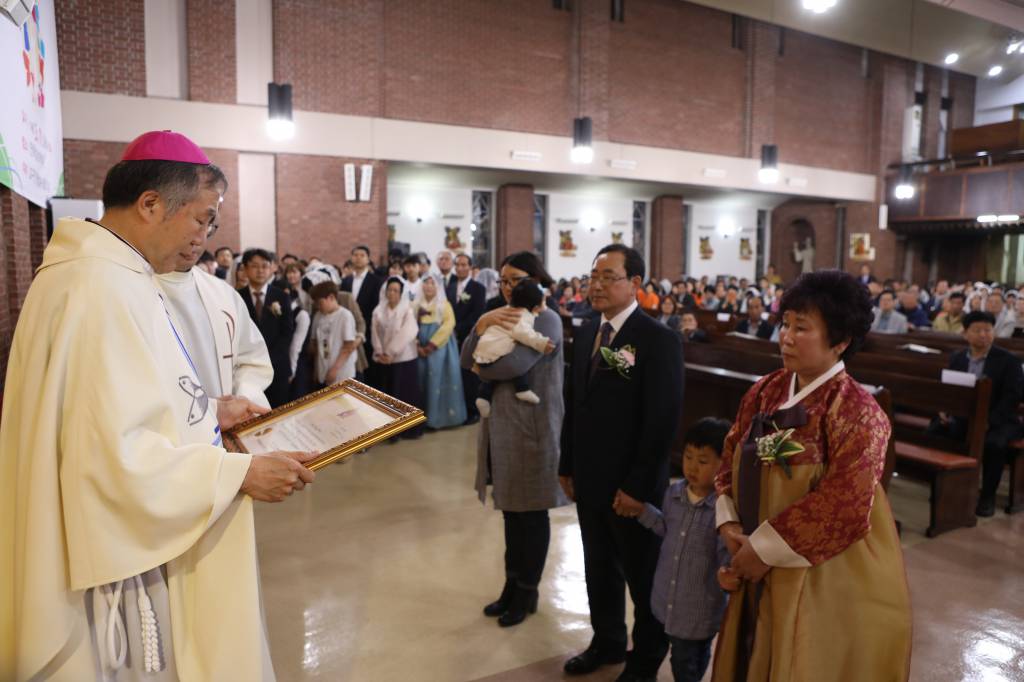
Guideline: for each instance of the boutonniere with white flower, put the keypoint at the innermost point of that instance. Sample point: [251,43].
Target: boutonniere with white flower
[464,297]
[275,308]
[777,448]
[622,360]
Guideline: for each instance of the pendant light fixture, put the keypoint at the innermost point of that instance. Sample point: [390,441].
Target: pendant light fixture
[904,189]
[280,125]
[769,171]
[582,127]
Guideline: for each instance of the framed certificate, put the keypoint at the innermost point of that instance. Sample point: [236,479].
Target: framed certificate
[337,421]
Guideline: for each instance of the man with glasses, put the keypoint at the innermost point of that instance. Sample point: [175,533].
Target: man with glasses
[623,403]
[130,548]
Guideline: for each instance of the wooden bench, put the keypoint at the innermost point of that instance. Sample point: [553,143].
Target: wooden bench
[1016,467]
[717,392]
[951,468]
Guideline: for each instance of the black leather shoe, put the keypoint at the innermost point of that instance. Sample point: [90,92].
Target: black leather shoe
[496,608]
[590,660]
[524,601]
[986,507]
[628,676]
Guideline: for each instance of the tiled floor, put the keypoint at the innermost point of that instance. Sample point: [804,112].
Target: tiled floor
[379,571]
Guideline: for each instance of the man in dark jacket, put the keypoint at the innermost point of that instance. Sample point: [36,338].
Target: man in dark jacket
[468,298]
[983,358]
[623,402]
[365,288]
[753,324]
[271,310]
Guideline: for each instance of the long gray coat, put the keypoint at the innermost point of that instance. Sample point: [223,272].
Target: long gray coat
[523,439]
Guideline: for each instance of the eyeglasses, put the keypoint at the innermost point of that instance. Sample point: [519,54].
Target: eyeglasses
[606,280]
[511,283]
[211,230]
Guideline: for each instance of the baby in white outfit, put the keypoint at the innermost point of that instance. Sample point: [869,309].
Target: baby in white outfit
[497,342]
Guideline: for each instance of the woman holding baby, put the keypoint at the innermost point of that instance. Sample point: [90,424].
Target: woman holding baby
[518,444]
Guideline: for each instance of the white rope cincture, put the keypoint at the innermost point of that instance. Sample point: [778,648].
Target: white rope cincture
[152,656]
[116,637]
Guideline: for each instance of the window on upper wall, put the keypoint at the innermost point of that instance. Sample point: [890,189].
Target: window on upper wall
[540,226]
[481,230]
[640,227]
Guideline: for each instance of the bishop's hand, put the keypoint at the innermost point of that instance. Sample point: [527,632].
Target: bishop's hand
[233,410]
[276,475]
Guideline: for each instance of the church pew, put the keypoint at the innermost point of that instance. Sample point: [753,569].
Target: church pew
[950,468]
[716,392]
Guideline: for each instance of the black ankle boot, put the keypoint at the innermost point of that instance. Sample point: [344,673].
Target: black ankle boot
[524,601]
[496,608]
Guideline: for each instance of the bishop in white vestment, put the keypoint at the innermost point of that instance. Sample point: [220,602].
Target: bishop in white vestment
[129,547]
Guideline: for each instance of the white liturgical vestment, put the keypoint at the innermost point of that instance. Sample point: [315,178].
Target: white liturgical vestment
[110,467]
[226,345]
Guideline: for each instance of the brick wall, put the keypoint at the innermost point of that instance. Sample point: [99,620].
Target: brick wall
[675,80]
[514,220]
[666,77]
[821,110]
[21,225]
[210,31]
[667,238]
[313,218]
[102,46]
[86,164]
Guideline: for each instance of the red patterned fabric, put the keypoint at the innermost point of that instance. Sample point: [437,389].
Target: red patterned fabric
[849,433]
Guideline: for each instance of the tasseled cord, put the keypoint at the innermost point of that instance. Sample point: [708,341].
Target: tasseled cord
[150,631]
[116,637]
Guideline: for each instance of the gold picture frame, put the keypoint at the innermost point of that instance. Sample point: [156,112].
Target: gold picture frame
[369,417]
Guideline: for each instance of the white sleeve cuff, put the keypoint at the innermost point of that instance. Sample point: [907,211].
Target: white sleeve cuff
[233,469]
[725,511]
[773,550]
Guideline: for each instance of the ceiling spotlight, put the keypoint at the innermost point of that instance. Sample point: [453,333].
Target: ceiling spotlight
[582,144]
[820,6]
[904,189]
[952,58]
[1008,218]
[988,218]
[769,171]
[995,71]
[1013,46]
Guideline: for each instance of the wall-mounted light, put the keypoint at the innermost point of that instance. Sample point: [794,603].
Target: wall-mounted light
[993,218]
[1008,218]
[726,227]
[419,209]
[904,189]
[591,219]
[280,125]
[988,218]
[769,171]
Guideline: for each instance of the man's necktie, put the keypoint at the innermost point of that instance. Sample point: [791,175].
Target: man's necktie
[258,303]
[606,337]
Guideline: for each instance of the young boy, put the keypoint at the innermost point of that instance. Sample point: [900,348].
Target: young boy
[334,336]
[687,596]
[498,342]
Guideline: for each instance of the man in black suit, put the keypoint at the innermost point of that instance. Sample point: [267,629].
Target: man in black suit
[270,308]
[446,269]
[753,324]
[468,298]
[620,421]
[365,287]
[983,358]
